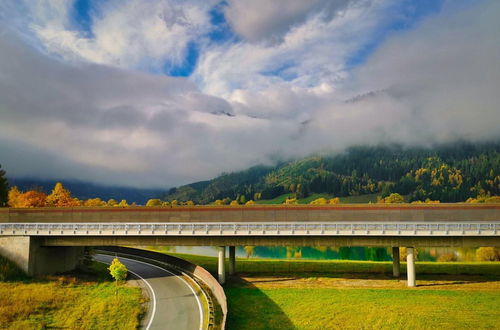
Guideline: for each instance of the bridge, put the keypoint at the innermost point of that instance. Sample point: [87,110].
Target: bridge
[49,239]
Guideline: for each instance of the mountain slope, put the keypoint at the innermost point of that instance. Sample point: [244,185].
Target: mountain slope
[449,173]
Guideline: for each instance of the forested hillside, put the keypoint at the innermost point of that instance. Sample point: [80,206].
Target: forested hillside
[448,173]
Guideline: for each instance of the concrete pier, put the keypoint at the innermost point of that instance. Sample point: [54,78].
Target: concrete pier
[410,266]
[232,260]
[34,259]
[221,271]
[395,261]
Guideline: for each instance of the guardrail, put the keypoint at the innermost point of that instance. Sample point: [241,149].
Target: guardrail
[253,229]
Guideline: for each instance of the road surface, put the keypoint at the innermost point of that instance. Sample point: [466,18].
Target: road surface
[173,303]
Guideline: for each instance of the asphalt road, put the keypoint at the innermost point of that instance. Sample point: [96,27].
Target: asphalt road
[173,303]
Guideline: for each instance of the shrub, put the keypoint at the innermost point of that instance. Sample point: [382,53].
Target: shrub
[488,254]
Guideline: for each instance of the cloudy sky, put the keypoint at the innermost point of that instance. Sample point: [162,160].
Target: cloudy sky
[161,93]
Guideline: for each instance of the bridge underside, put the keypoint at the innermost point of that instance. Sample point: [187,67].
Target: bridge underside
[374,241]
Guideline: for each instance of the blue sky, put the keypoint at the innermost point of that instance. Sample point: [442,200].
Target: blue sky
[165,92]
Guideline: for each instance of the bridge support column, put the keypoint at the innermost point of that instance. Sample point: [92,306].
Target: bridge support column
[395,261]
[410,266]
[34,259]
[221,271]
[232,260]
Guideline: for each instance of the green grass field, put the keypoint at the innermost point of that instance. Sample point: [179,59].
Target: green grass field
[358,308]
[72,301]
[282,266]
[339,294]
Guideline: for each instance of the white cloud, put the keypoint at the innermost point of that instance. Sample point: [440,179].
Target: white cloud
[255,102]
[310,54]
[262,20]
[129,34]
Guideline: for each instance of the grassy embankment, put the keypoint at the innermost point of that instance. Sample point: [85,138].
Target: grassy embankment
[74,301]
[293,294]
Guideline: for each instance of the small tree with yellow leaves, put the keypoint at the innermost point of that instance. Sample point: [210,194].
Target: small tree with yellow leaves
[118,271]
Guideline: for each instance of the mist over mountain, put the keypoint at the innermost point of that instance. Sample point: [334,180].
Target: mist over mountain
[449,173]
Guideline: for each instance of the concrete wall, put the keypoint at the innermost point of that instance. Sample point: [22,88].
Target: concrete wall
[259,213]
[416,241]
[34,259]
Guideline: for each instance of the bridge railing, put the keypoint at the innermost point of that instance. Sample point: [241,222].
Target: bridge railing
[253,229]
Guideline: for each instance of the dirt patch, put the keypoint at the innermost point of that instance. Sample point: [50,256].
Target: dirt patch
[376,281]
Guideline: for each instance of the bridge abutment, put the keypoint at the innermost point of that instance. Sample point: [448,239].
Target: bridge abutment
[34,259]
[221,271]
[232,260]
[395,261]
[410,266]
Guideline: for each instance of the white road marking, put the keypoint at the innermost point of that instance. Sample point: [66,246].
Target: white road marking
[183,280]
[150,289]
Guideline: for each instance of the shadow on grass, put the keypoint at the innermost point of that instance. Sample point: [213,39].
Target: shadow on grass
[250,308]
[439,279]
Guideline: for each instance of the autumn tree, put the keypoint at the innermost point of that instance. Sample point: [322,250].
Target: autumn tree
[34,198]
[488,254]
[31,198]
[154,202]
[319,201]
[61,197]
[94,202]
[118,271]
[123,203]
[111,202]
[14,197]
[392,198]
[4,188]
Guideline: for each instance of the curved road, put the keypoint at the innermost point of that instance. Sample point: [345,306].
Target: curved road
[173,303]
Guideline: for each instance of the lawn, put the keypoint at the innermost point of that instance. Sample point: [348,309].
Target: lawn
[74,301]
[273,266]
[339,294]
[360,308]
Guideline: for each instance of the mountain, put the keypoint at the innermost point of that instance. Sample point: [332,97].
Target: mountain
[449,173]
[85,190]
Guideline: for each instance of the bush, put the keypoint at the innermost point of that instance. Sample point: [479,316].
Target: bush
[447,257]
[488,254]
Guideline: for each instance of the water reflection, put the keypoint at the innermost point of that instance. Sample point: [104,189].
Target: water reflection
[328,253]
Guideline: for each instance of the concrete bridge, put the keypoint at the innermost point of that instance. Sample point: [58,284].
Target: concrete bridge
[50,239]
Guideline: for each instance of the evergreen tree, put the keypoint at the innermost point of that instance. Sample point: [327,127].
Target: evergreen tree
[4,188]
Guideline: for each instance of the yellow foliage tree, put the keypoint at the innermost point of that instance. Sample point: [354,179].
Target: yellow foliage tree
[488,254]
[165,204]
[111,202]
[31,198]
[123,203]
[319,201]
[233,203]
[189,203]
[94,202]
[14,197]
[219,202]
[290,201]
[335,200]
[250,202]
[154,202]
[392,198]
[61,197]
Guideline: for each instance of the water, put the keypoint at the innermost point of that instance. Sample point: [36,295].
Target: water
[328,253]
